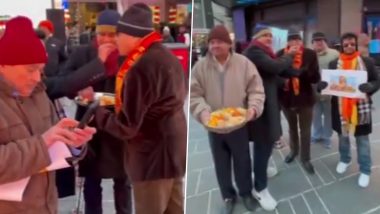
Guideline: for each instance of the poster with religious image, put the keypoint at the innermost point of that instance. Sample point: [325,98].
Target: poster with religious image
[344,83]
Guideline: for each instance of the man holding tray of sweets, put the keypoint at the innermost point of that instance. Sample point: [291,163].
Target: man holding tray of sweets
[227,79]
[352,116]
[28,121]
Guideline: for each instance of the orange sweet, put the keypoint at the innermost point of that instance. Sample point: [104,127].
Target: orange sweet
[226,117]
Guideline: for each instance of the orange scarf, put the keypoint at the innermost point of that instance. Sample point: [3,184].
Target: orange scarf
[131,60]
[349,62]
[297,63]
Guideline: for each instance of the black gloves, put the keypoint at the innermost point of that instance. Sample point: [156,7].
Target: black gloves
[367,88]
[321,85]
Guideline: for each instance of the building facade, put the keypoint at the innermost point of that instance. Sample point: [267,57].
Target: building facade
[333,17]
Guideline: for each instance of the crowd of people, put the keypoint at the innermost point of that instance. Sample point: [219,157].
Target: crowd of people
[266,83]
[140,142]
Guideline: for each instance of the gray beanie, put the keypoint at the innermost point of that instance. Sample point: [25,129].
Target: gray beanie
[294,34]
[136,21]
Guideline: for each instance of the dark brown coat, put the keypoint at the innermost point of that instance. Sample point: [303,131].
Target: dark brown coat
[152,121]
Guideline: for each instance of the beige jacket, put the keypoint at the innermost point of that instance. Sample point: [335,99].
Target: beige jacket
[239,85]
[23,152]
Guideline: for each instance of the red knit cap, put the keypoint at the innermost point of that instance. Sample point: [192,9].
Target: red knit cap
[20,44]
[47,24]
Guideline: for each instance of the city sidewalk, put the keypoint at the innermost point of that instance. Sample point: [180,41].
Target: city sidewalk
[326,192]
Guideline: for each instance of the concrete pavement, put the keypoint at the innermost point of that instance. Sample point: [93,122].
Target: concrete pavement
[298,193]
[326,192]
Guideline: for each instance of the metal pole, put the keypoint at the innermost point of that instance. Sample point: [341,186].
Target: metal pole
[52,4]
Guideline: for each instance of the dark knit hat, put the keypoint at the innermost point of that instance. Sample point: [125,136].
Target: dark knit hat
[318,36]
[136,21]
[20,44]
[294,34]
[260,30]
[220,32]
[107,21]
[47,24]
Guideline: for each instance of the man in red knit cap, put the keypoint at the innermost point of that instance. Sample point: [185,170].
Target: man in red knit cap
[28,122]
[54,47]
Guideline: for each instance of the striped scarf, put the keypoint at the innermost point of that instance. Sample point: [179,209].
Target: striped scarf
[352,111]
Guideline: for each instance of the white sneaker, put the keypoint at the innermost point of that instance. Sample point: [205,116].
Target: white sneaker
[271,171]
[363,180]
[265,199]
[342,167]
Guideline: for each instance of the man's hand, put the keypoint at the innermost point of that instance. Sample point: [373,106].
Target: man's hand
[251,114]
[62,132]
[293,50]
[321,85]
[83,136]
[105,50]
[205,117]
[87,93]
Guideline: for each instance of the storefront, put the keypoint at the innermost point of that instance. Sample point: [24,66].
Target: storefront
[81,15]
[274,14]
[3,21]
[371,25]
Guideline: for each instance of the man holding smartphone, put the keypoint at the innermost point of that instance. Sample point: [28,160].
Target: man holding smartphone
[28,122]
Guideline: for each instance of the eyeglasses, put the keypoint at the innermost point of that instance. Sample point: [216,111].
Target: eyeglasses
[349,44]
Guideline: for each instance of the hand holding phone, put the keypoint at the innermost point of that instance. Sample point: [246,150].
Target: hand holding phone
[89,114]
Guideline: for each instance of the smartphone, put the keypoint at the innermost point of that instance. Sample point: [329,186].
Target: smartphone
[88,115]
[79,154]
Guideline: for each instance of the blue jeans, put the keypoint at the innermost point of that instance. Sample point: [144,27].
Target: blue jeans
[363,152]
[322,125]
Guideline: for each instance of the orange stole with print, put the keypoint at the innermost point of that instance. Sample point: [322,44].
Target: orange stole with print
[297,63]
[349,110]
[131,60]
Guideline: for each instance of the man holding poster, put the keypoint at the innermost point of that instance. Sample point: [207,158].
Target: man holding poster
[353,115]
